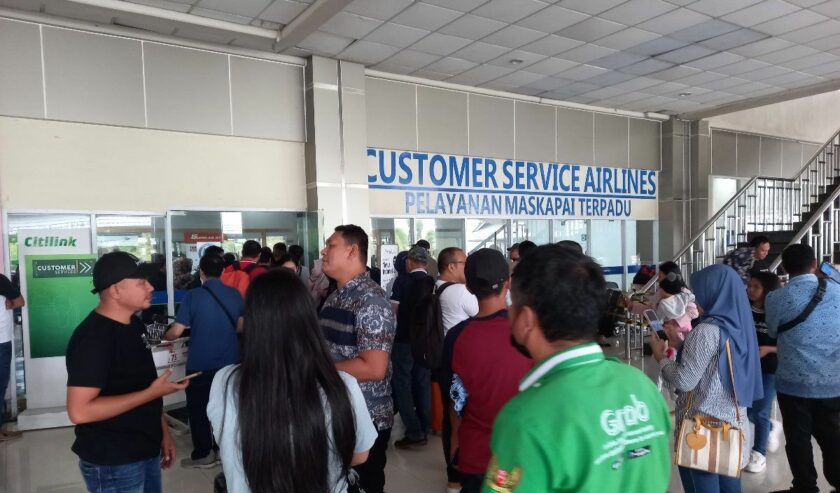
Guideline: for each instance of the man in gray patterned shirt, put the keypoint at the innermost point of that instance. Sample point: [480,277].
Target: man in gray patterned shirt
[359,326]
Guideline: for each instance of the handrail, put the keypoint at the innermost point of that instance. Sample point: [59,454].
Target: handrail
[711,222]
[815,218]
[815,155]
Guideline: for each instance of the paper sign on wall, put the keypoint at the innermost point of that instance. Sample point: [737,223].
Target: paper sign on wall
[387,267]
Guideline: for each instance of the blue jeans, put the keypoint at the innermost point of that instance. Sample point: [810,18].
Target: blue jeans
[135,477]
[412,391]
[695,481]
[5,374]
[760,413]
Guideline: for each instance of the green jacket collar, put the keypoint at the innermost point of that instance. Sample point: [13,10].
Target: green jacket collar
[574,356]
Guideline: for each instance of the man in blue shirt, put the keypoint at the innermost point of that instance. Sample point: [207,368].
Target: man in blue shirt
[212,313]
[808,374]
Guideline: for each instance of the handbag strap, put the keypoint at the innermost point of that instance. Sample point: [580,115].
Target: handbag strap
[224,309]
[732,376]
[818,297]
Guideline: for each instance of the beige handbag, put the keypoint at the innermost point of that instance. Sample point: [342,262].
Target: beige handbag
[709,444]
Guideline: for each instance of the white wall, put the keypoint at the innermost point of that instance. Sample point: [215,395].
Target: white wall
[812,119]
[60,165]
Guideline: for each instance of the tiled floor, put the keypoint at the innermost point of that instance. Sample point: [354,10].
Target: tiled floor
[42,462]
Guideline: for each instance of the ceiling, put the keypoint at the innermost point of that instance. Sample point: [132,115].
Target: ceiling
[674,56]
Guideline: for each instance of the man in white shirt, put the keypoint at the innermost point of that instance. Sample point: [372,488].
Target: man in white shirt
[456,302]
[11,299]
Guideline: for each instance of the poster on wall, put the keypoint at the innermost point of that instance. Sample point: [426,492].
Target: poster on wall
[388,254]
[57,256]
[429,184]
[58,297]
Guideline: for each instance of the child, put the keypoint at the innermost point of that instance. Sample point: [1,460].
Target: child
[766,430]
[673,302]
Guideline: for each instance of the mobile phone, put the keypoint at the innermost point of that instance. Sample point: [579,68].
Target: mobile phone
[655,323]
[188,377]
[830,272]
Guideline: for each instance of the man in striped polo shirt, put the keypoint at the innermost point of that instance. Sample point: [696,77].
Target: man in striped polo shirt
[359,326]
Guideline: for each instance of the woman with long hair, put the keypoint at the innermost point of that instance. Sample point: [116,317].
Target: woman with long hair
[285,419]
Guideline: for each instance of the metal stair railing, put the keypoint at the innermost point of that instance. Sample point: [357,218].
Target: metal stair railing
[766,204]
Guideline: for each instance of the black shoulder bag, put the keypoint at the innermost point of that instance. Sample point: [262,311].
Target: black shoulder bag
[229,316]
[818,296]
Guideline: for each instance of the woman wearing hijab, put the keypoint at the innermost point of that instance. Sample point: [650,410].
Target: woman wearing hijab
[702,367]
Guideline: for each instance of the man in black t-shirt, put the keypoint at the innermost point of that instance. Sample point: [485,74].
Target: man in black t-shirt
[114,395]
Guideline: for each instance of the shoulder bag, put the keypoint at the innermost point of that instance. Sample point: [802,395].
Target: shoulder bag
[709,444]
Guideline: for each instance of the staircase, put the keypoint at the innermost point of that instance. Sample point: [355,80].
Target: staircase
[805,208]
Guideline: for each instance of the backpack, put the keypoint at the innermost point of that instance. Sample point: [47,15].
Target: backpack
[427,325]
[238,277]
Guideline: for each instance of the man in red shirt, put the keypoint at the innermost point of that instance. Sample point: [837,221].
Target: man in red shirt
[486,368]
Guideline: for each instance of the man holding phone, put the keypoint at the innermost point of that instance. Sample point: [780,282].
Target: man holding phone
[114,395]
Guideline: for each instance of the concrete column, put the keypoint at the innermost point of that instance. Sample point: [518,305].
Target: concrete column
[674,188]
[701,170]
[336,162]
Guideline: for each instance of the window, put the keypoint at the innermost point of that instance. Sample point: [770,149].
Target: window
[386,231]
[535,230]
[486,233]
[572,229]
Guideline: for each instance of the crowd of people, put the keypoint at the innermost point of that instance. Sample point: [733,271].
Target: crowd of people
[296,376]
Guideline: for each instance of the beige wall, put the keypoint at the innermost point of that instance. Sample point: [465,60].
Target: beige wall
[76,166]
[812,119]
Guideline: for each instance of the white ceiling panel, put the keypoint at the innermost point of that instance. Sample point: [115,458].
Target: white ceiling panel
[480,74]
[322,43]
[514,80]
[524,59]
[762,47]
[451,66]
[509,10]
[703,31]
[480,52]
[636,11]
[674,20]
[790,22]
[430,75]
[637,84]
[741,67]
[617,60]
[718,8]
[701,78]
[394,68]
[591,7]
[610,78]
[788,78]
[552,45]
[244,8]
[734,39]
[368,52]
[552,19]
[787,54]
[411,58]
[603,93]
[826,68]
[685,54]
[717,60]
[397,35]
[219,15]
[626,38]
[826,43]
[646,67]
[724,84]
[749,89]
[283,11]
[425,16]
[657,46]
[547,84]
[591,29]
[352,26]
[459,5]
[586,53]
[440,44]
[581,72]
[472,27]
[810,61]
[766,73]
[805,3]
[810,33]
[378,9]
[674,73]
[552,66]
[831,8]
[513,36]
[762,12]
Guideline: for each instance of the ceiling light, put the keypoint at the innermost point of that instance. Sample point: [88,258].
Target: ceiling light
[516,61]
[684,94]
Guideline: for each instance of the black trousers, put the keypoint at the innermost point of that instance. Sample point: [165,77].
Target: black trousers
[372,472]
[472,483]
[803,418]
[198,395]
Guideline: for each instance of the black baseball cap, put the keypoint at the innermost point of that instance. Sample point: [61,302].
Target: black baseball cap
[113,267]
[486,268]
[515,246]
